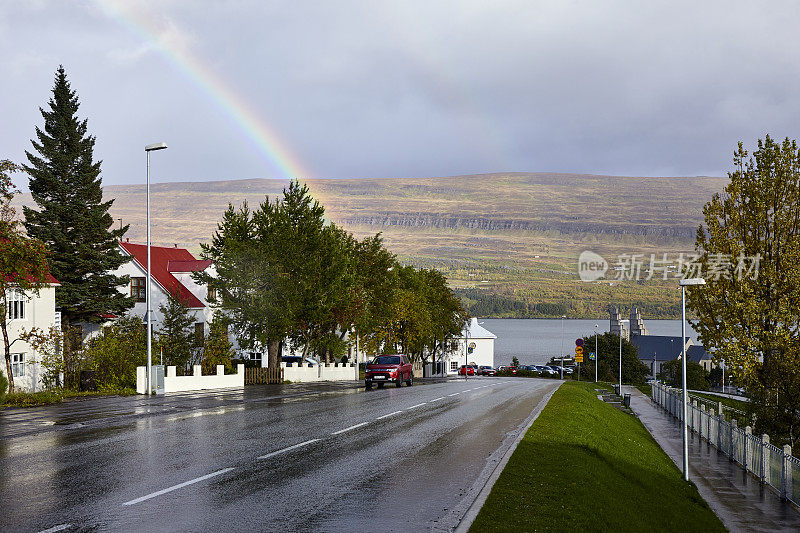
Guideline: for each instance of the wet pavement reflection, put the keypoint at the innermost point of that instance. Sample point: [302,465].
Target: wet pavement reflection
[333,457]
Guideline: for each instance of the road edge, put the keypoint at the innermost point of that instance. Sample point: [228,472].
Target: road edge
[477,503]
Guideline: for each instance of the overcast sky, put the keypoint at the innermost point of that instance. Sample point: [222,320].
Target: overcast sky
[257,88]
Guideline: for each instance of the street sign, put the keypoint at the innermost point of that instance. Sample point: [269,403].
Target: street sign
[578,342]
[579,357]
[578,350]
[591,356]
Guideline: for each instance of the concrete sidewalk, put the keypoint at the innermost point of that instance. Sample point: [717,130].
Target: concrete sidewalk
[738,498]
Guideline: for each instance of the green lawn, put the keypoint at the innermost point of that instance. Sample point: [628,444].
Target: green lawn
[586,466]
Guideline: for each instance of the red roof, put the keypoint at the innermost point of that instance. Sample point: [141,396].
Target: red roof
[164,261]
[50,279]
[195,265]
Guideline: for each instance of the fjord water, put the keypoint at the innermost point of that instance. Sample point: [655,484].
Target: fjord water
[535,341]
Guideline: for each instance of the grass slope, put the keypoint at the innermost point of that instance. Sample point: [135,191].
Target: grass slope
[585,466]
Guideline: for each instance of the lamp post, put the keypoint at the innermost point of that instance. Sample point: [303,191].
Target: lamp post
[722,364]
[147,149]
[596,355]
[686,282]
[562,345]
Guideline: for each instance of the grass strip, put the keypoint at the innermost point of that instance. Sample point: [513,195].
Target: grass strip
[50,397]
[586,466]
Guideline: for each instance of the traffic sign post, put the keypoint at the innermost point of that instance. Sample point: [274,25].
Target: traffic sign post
[579,355]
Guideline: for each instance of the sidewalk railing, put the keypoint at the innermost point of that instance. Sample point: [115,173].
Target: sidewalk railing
[773,466]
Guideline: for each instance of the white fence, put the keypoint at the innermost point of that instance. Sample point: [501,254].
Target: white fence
[197,381]
[771,465]
[323,372]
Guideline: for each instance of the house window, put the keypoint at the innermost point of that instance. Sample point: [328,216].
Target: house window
[453,366]
[199,333]
[255,356]
[138,289]
[212,294]
[16,305]
[18,365]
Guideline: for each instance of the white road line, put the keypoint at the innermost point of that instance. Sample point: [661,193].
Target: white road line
[415,406]
[362,424]
[467,390]
[437,399]
[178,486]
[293,447]
[454,394]
[387,416]
[60,527]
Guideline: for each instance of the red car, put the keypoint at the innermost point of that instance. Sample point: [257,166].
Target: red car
[394,368]
[469,369]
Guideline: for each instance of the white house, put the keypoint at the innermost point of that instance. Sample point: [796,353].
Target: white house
[171,274]
[27,310]
[475,346]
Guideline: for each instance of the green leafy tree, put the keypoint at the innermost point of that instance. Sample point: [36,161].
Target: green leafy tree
[749,253]
[23,260]
[115,354]
[176,336]
[672,374]
[514,361]
[634,372]
[217,349]
[72,219]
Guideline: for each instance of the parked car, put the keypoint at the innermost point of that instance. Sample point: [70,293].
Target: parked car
[385,368]
[548,370]
[295,359]
[486,371]
[512,369]
[470,370]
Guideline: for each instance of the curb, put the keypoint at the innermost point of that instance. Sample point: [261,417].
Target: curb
[474,508]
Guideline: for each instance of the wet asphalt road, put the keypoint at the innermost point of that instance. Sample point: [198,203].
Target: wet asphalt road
[271,458]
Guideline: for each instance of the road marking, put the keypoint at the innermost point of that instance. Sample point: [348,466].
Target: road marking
[178,486]
[467,390]
[454,394]
[60,527]
[293,447]
[387,416]
[415,406]
[350,428]
[437,399]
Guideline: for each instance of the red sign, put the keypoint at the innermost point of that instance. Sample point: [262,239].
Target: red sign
[578,342]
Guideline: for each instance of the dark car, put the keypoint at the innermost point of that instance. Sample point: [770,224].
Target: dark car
[394,368]
[486,371]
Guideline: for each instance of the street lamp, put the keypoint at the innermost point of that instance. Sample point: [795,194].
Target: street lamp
[686,282]
[149,148]
[562,345]
[596,355]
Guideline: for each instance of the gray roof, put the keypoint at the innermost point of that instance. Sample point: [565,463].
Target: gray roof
[697,353]
[665,348]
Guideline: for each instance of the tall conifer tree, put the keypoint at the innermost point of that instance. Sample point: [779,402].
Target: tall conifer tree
[73,220]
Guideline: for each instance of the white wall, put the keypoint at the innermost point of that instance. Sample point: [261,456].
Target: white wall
[197,381]
[329,372]
[482,354]
[40,312]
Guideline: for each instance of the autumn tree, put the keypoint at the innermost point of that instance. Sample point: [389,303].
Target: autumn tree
[23,260]
[749,254]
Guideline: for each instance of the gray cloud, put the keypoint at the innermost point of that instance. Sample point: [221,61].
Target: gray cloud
[411,88]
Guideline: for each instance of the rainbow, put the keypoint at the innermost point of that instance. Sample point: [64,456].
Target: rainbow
[264,138]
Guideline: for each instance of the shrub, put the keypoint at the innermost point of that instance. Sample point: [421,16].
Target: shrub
[3,386]
[115,354]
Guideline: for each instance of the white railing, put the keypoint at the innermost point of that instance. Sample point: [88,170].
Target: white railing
[773,466]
